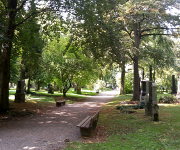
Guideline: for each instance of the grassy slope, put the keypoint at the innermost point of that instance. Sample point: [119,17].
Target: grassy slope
[135,131]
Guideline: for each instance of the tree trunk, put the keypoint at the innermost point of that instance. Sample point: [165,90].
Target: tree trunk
[29,86]
[154,75]
[20,92]
[64,93]
[136,82]
[122,89]
[78,89]
[150,73]
[136,85]
[38,86]
[143,74]
[75,87]
[5,56]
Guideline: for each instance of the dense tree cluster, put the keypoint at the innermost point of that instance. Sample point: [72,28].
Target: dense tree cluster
[68,42]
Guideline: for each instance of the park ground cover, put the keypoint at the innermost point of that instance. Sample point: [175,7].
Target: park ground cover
[41,100]
[120,131]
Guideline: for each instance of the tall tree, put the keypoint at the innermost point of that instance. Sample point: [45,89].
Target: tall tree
[141,19]
[31,45]
[10,13]
[11,8]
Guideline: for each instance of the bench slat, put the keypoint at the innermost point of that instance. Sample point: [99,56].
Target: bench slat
[87,123]
[96,115]
[83,121]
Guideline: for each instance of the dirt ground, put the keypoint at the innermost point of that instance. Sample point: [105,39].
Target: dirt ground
[51,128]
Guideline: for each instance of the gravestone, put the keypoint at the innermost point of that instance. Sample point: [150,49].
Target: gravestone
[155,107]
[50,89]
[178,87]
[20,92]
[148,100]
[144,96]
[173,88]
[144,90]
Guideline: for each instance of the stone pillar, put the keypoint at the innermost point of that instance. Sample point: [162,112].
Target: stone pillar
[178,87]
[50,89]
[173,88]
[155,107]
[144,96]
[148,102]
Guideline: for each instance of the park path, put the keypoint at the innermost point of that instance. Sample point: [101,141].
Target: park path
[49,130]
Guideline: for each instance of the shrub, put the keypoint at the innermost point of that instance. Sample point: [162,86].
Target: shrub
[129,83]
[168,99]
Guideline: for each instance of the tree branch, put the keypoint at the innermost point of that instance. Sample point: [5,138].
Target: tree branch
[29,16]
[157,34]
[128,53]
[128,32]
[68,45]
[158,28]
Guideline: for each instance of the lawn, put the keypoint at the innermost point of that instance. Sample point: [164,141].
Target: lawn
[70,93]
[134,131]
[43,96]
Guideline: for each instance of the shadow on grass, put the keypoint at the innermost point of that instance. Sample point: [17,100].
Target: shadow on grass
[136,131]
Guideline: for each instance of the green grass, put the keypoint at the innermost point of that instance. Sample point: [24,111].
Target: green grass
[43,97]
[46,99]
[135,131]
[70,93]
[83,92]
[12,92]
[40,99]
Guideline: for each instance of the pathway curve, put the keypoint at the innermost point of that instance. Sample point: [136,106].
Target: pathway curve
[49,130]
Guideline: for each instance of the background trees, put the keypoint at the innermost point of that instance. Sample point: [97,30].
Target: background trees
[66,64]
[75,37]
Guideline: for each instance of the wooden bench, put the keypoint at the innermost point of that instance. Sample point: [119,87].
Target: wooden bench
[88,124]
[60,103]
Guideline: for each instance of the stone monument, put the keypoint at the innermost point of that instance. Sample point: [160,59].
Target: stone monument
[155,107]
[20,92]
[178,87]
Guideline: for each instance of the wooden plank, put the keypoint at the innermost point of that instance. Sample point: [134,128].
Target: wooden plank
[96,115]
[83,121]
[88,123]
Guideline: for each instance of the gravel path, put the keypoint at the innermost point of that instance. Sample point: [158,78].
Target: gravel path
[49,130]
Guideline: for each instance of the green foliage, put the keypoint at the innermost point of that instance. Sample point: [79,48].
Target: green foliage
[168,99]
[28,45]
[158,53]
[129,83]
[66,63]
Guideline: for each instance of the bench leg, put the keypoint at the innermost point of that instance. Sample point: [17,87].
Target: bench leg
[86,132]
[59,104]
[94,124]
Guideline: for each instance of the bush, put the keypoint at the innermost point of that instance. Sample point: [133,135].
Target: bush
[168,99]
[129,83]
